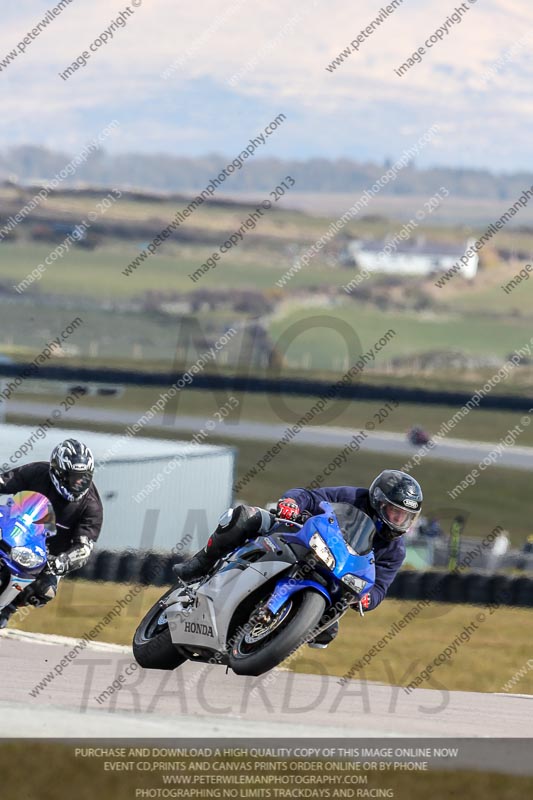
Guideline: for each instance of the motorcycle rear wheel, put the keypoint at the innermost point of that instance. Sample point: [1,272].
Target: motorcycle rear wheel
[255,651]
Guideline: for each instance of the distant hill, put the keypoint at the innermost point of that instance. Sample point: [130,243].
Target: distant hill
[174,174]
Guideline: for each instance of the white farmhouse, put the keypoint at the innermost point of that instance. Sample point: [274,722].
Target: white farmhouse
[418,257]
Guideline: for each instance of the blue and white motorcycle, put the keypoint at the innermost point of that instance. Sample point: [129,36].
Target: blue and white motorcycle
[27,520]
[265,599]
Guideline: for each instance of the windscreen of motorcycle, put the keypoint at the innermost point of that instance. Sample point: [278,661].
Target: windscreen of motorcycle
[357,528]
[27,512]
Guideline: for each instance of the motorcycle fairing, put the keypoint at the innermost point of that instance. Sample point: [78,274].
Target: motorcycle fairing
[205,621]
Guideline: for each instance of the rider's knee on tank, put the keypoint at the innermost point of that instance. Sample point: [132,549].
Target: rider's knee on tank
[236,525]
[249,518]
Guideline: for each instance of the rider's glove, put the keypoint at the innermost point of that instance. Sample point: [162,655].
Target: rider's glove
[288,508]
[58,565]
[365,601]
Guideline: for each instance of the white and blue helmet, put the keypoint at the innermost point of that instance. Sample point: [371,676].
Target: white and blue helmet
[72,469]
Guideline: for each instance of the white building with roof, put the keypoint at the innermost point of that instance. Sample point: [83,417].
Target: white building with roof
[417,257]
[155,492]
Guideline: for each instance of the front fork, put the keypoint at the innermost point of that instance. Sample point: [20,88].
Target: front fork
[289,586]
[13,589]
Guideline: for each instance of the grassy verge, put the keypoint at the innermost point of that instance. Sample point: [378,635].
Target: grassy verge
[80,605]
[478,425]
[423,639]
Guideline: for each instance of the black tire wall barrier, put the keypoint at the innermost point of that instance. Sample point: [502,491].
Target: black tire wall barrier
[155,569]
[148,569]
[269,385]
[470,587]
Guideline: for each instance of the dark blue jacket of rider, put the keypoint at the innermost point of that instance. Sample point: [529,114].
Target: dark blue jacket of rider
[388,552]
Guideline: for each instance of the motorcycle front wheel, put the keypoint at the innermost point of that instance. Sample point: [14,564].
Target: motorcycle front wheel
[259,645]
[152,645]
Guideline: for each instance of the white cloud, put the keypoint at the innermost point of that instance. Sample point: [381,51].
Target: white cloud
[217,41]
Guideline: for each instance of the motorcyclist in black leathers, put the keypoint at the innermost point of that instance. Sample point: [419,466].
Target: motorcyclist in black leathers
[67,481]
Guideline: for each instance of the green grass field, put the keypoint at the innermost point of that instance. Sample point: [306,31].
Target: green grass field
[469,332]
[148,341]
[252,268]
[478,425]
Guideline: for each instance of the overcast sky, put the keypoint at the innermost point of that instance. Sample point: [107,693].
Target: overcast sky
[362,110]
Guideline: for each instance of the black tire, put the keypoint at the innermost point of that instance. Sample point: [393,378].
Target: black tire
[129,567]
[106,565]
[152,646]
[153,569]
[305,610]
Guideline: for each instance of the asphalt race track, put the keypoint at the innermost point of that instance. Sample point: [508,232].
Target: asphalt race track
[457,450]
[200,700]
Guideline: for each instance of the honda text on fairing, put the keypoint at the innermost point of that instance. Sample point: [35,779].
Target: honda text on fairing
[266,598]
[27,520]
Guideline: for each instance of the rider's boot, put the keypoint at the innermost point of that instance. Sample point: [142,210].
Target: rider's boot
[195,568]
[322,640]
[6,614]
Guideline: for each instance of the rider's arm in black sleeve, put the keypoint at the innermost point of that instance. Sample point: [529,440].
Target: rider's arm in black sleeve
[85,535]
[15,480]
